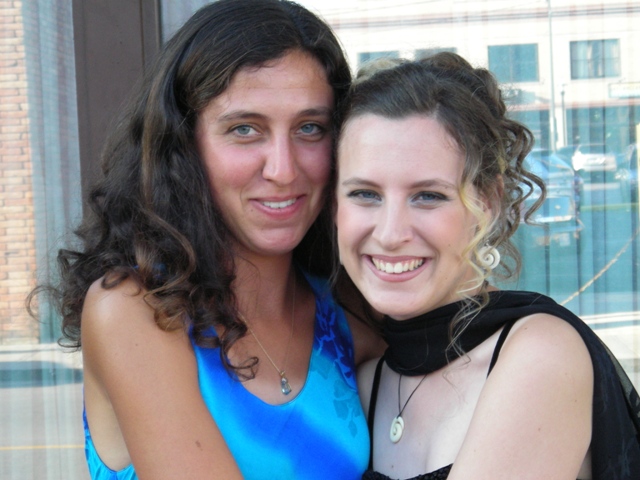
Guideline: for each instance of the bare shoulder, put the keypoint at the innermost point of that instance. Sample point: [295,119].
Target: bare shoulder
[546,355]
[142,395]
[108,307]
[543,341]
[119,324]
[533,417]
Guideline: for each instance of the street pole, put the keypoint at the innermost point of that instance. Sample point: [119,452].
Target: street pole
[564,117]
[552,101]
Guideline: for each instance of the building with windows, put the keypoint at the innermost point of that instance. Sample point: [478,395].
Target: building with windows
[568,67]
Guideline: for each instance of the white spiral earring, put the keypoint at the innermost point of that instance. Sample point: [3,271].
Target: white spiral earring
[489,257]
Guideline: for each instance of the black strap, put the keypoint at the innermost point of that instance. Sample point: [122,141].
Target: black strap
[501,339]
[373,399]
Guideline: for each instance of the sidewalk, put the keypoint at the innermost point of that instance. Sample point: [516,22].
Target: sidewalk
[40,413]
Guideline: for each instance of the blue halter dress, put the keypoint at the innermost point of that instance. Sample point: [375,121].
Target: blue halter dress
[320,433]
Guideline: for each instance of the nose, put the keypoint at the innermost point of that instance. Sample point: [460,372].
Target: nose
[394,225]
[280,164]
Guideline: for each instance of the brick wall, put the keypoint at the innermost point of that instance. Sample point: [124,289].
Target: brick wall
[17,228]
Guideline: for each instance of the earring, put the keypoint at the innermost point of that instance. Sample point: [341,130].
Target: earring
[489,257]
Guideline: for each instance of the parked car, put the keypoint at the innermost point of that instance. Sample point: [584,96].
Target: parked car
[560,212]
[590,158]
[627,174]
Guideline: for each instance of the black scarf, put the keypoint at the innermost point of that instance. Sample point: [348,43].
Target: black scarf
[419,345]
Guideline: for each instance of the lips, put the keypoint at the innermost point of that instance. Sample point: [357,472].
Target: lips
[397,267]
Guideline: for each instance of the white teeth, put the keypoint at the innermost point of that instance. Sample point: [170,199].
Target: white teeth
[278,205]
[398,267]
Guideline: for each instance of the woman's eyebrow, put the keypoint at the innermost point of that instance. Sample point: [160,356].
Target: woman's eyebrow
[430,183]
[236,115]
[240,115]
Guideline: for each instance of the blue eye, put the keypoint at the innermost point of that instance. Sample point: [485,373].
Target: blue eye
[243,130]
[312,129]
[364,195]
[429,197]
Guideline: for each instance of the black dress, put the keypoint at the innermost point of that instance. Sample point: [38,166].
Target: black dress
[615,440]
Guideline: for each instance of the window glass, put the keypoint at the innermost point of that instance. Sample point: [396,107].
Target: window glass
[514,63]
[595,59]
[425,52]
[364,57]
[40,386]
[569,71]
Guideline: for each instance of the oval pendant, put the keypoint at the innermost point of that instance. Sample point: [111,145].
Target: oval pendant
[285,388]
[397,427]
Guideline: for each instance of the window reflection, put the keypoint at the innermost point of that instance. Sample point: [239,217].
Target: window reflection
[514,63]
[364,57]
[569,71]
[40,386]
[595,58]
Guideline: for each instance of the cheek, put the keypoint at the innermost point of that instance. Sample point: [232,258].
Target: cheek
[316,164]
[227,169]
[349,227]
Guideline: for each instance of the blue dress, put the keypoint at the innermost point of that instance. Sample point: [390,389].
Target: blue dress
[321,433]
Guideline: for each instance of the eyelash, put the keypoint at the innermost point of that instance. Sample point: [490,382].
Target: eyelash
[432,197]
[364,195]
[236,128]
[317,130]
[369,196]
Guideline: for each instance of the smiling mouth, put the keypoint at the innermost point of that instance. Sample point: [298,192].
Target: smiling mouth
[398,267]
[280,205]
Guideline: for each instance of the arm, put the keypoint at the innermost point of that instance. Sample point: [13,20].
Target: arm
[533,418]
[141,386]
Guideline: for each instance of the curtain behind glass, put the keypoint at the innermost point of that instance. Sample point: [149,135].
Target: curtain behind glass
[40,386]
[53,135]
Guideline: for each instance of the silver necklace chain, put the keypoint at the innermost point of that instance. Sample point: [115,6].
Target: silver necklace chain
[285,387]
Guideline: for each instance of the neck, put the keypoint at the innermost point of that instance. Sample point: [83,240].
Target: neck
[264,288]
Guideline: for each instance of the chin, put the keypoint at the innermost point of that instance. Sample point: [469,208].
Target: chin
[397,312]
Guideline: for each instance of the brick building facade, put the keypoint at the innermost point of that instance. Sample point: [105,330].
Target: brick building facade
[17,220]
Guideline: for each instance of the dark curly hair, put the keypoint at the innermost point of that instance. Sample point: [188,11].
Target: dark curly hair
[152,217]
[468,103]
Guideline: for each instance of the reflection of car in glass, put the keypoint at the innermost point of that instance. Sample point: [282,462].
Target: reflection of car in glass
[627,174]
[590,158]
[560,212]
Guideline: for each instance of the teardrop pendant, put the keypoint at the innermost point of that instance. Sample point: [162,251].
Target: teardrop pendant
[397,428]
[285,388]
